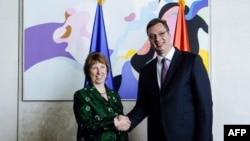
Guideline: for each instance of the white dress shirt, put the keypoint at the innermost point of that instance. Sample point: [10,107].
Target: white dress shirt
[168,57]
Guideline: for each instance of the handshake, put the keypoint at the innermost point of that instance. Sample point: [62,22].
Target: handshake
[122,123]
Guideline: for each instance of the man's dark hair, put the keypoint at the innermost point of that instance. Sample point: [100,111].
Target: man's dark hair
[156,21]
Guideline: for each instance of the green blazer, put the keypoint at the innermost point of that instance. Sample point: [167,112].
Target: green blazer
[95,115]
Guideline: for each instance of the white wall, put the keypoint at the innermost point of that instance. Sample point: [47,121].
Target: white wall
[8,69]
[39,121]
[230,50]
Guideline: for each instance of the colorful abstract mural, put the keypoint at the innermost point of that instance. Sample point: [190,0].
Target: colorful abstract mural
[57,36]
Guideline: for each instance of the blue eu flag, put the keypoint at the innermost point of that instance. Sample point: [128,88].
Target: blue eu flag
[99,42]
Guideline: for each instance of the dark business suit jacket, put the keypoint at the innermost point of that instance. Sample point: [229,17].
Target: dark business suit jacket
[182,109]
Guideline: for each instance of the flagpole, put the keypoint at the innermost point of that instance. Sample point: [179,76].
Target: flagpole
[100,2]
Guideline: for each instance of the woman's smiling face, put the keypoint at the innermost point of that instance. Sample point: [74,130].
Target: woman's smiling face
[98,73]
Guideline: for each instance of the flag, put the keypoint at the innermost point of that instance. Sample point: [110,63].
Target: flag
[181,40]
[99,41]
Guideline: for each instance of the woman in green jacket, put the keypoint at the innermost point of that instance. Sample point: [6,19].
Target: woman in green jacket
[96,107]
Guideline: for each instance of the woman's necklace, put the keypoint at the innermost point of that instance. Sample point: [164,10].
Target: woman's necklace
[103,93]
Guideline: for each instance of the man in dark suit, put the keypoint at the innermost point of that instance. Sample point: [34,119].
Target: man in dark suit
[180,107]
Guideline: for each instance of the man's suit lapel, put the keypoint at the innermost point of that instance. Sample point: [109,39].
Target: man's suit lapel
[154,76]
